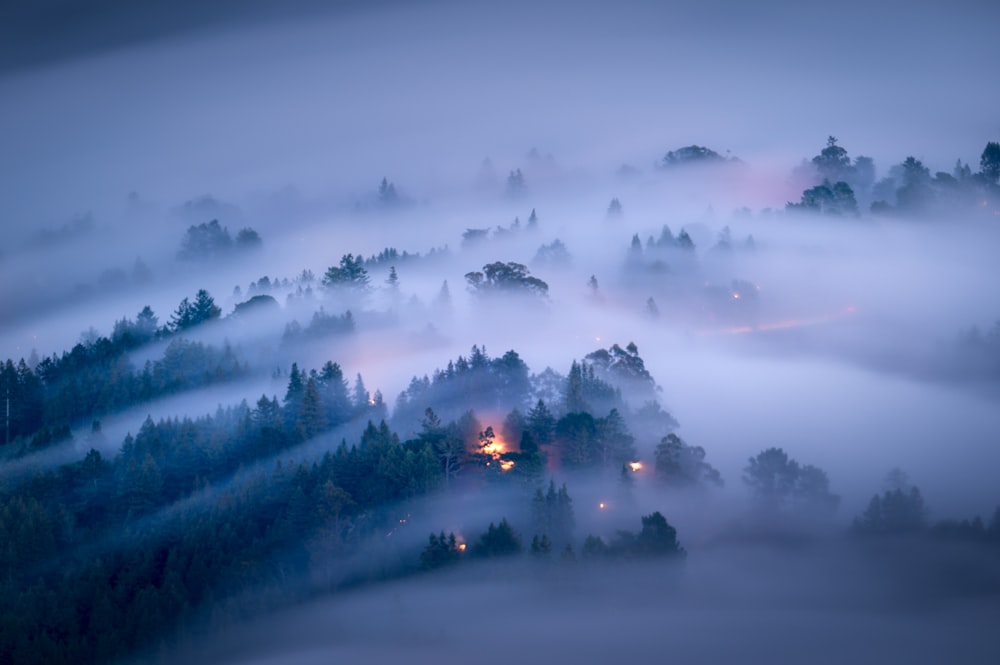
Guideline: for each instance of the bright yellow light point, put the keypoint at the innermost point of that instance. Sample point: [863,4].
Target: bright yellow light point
[635,466]
[602,505]
[461,547]
[506,465]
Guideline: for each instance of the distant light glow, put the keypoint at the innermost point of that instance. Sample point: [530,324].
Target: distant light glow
[635,466]
[506,465]
[602,505]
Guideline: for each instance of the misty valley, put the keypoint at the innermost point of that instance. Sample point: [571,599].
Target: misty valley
[450,331]
[245,477]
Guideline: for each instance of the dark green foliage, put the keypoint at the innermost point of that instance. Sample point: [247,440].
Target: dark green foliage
[656,539]
[441,551]
[585,391]
[247,238]
[22,389]
[205,241]
[321,326]
[832,163]
[989,162]
[478,382]
[129,592]
[836,199]
[586,442]
[129,334]
[897,510]
[552,514]
[623,368]
[692,154]
[258,303]
[510,278]
[208,241]
[541,546]
[679,465]
[498,541]
[540,424]
[189,314]
[96,378]
[779,484]
[349,277]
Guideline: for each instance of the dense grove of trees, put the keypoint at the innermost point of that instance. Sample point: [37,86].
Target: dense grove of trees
[97,378]
[226,515]
[210,240]
[201,521]
[842,185]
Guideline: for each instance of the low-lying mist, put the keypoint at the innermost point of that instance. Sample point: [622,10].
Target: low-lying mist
[289,297]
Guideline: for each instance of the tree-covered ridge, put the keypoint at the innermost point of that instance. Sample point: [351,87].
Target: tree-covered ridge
[97,378]
[108,556]
[843,187]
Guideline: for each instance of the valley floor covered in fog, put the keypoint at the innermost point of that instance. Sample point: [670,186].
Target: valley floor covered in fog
[448,332]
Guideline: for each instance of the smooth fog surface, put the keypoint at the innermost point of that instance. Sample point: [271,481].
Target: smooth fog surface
[112,119]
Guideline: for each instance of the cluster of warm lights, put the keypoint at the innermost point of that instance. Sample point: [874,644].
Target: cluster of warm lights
[494,449]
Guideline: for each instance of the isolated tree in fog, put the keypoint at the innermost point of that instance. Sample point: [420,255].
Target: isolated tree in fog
[779,483]
[500,277]
[680,465]
[515,184]
[614,208]
[498,541]
[657,539]
[387,194]
[350,276]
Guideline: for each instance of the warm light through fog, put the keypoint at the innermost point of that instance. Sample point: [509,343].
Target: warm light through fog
[635,466]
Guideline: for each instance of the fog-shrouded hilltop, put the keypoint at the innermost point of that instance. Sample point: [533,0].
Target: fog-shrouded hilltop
[458,332]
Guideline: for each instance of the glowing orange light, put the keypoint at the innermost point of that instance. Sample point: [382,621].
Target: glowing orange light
[506,465]
[461,547]
[493,448]
[635,466]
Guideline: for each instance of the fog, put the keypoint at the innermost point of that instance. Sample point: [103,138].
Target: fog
[843,340]
[713,613]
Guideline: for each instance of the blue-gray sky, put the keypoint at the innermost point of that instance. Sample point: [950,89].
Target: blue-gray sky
[104,98]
